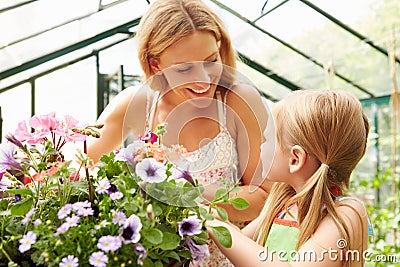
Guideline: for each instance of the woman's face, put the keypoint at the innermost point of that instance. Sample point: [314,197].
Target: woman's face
[192,67]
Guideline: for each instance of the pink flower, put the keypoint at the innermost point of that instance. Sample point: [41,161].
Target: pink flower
[22,133]
[149,137]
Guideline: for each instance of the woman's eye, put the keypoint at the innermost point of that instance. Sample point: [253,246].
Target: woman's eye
[208,63]
[184,70]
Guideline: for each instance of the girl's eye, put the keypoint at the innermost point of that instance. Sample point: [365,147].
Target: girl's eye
[183,68]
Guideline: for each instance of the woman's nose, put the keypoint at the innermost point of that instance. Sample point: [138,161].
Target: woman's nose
[201,75]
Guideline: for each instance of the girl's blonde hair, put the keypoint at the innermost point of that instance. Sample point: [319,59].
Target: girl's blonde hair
[167,21]
[331,126]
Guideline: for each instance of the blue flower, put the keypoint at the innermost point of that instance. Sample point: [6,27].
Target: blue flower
[119,218]
[190,226]
[102,186]
[199,252]
[130,231]
[151,171]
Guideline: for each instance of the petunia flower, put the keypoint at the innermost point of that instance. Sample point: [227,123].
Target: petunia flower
[27,241]
[130,231]
[182,174]
[199,252]
[7,160]
[4,182]
[140,251]
[69,261]
[151,171]
[190,226]
[131,153]
[98,259]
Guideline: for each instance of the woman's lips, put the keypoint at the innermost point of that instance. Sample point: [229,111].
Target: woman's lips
[200,91]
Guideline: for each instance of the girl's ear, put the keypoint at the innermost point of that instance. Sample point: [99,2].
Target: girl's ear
[298,157]
[154,65]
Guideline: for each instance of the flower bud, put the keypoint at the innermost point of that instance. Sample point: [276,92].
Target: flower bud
[149,212]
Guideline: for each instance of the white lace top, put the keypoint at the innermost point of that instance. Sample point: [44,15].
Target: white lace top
[218,158]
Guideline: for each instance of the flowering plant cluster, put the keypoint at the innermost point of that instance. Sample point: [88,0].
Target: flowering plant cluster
[134,207]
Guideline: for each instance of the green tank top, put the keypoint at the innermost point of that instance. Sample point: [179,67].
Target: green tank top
[284,235]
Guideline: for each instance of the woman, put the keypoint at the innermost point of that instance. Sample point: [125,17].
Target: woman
[189,64]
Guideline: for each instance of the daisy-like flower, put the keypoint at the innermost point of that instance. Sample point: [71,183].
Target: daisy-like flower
[64,211]
[28,216]
[72,221]
[85,212]
[102,186]
[62,229]
[199,252]
[119,218]
[102,224]
[190,226]
[98,259]
[69,261]
[116,195]
[109,243]
[37,222]
[81,205]
[130,231]
[27,241]
[151,171]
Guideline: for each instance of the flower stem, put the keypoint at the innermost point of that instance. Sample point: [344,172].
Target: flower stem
[87,175]
[5,253]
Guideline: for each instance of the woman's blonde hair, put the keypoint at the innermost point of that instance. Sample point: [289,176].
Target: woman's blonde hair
[331,126]
[167,21]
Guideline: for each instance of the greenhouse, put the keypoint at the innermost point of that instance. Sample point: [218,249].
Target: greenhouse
[74,58]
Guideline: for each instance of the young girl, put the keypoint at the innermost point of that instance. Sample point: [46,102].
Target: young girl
[306,221]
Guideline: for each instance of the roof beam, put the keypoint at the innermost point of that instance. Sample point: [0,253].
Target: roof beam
[269,73]
[291,47]
[58,53]
[347,28]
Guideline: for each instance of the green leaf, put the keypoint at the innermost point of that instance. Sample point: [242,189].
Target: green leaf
[239,203]
[158,264]
[222,213]
[154,236]
[170,241]
[22,191]
[221,193]
[21,208]
[205,214]
[222,235]
[173,255]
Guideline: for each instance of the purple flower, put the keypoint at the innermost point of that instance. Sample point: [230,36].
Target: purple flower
[12,139]
[199,252]
[5,183]
[98,259]
[130,231]
[81,205]
[62,229]
[151,171]
[140,251]
[190,226]
[64,211]
[130,153]
[7,160]
[72,221]
[102,186]
[85,212]
[179,174]
[27,241]
[109,243]
[119,218]
[28,216]
[69,261]
[116,195]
